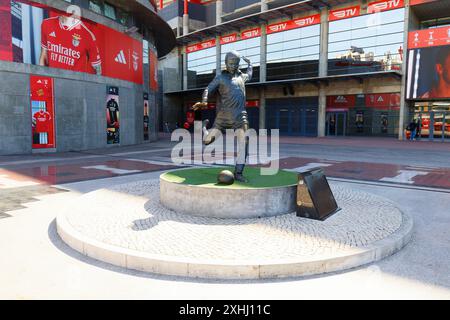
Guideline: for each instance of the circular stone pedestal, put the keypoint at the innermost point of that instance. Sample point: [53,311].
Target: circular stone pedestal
[126,225]
[196,192]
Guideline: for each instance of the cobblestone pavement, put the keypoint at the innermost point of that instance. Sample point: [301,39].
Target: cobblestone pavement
[126,216]
[41,266]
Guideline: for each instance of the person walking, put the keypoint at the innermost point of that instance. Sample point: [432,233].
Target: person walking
[413,129]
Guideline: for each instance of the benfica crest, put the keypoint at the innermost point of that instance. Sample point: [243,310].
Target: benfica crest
[76,40]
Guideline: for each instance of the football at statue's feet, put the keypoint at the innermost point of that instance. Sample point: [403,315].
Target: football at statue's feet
[225,177]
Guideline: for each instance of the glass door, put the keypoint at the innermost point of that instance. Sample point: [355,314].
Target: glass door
[336,123]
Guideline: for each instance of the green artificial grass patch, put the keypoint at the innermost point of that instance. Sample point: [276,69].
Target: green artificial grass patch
[207,177]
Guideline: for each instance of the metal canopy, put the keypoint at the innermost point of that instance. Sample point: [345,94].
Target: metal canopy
[315,80]
[253,20]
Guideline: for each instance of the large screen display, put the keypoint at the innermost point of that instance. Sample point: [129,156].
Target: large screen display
[429,64]
[35,34]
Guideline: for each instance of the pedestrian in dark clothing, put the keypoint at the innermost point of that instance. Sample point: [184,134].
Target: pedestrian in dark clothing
[413,130]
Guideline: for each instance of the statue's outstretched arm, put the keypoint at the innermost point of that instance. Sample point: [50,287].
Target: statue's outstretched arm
[249,69]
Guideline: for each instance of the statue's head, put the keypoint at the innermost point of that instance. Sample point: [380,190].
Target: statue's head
[232,60]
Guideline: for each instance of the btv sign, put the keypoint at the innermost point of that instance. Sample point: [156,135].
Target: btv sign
[344,13]
[384,5]
[293,24]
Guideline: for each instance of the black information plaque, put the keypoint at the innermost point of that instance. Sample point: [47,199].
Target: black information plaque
[315,200]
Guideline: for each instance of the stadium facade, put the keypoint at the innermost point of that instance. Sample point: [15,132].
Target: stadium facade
[80,74]
[321,68]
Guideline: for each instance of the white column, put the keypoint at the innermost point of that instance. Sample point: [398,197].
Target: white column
[323,71]
[264,5]
[219,11]
[185,71]
[218,56]
[185,24]
[403,116]
[262,108]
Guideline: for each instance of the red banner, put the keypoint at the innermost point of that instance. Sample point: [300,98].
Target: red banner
[201,46]
[42,112]
[417,2]
[252,104]
[383,100]
[344,13]
[122,55]
[293,24]
[385,5]
[81,46]
[429,38]
[251,33]
[228,39]
[343,101]
[6,52]
[153,69]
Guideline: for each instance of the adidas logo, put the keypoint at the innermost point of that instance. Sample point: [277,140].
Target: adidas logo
[341,99]
[121,58]
[53,34]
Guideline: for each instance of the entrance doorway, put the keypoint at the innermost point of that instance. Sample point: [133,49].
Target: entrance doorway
[336,123]
[433,120]
[293,117]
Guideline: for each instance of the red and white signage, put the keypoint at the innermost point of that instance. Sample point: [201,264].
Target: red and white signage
[429,38]
[385,5]
[342,101]
[6,52]
[201,46]
[122,55]
[344,13]
[228,39]
[293,24]
[383,100]
[417,2]
[252,104]
[153,69]
[43,123]
[80,47]
[251,33]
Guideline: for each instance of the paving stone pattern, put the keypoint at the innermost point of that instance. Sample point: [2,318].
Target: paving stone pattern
[130,216]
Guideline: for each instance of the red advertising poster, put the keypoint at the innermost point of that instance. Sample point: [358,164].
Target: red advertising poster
[344,13]
[383,100]
[343,102]
[251,33]
[385,5]
[153,69]
[5,31]
[201,46]
[293,24]
[112,116]
[42,112]
[146,117]
[123,55]
[47,37]
[429,38]
[228,39]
